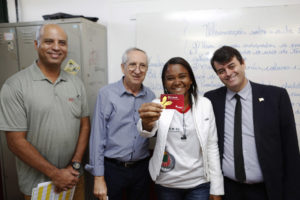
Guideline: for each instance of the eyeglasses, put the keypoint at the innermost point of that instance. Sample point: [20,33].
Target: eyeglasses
[133,66]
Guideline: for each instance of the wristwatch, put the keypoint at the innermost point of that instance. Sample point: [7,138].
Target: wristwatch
[76,165]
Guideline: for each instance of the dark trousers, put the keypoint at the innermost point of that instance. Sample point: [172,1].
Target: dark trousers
[133,181]
[241,191]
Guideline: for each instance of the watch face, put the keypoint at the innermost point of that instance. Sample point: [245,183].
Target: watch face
[76,165]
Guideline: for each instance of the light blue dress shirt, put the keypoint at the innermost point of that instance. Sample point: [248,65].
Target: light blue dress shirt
[252,167]
[114,133]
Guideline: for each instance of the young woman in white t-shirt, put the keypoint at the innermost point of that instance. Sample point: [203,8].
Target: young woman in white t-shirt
[185,164]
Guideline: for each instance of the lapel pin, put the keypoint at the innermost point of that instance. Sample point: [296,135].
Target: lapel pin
[261,99]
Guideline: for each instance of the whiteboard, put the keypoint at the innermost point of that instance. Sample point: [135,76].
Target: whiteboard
[267,37]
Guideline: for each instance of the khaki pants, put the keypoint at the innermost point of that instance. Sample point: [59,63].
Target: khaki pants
[78,194]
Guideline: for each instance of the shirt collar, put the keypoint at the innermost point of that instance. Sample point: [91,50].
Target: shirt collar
[244,93]
[38,75]
[123,90]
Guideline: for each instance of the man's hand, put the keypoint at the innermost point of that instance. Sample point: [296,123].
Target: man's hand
[100,189]
[64,179]
[215,197]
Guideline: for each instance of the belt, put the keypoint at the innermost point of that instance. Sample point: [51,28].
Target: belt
[126,164]
[242,183]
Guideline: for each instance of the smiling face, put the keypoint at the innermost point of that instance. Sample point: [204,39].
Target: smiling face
[177,80]
[52,46]
[135,69]
[232,74]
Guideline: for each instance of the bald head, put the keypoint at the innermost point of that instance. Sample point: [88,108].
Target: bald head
[41,31]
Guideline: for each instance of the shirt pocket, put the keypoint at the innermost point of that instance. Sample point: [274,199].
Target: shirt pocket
[74,104]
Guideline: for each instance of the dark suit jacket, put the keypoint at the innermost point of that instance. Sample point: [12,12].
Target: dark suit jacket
[275,137]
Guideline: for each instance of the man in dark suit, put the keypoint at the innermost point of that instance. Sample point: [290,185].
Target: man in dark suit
[257,134]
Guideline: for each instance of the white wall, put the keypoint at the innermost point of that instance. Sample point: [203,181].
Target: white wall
[119,16]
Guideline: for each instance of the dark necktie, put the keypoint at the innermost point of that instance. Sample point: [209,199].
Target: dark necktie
[238,144]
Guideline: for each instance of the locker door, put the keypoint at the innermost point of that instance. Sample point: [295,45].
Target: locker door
[74,45]
[27,52]
[8,52]
[8,66]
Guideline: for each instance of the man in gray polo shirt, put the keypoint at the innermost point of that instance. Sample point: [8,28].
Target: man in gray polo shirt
[44,112]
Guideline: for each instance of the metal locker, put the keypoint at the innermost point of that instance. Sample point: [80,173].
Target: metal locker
[9,65]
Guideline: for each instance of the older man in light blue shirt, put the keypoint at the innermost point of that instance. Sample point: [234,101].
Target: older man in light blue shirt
[118,154]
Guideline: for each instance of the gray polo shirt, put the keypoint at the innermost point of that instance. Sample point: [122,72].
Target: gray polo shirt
[49,113]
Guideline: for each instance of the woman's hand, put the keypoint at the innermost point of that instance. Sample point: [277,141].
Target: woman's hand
[149,113]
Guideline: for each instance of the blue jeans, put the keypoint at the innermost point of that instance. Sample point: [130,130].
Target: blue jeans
[200,192]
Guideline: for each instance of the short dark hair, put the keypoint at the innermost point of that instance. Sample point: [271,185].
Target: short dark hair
[224,55]
[178,60]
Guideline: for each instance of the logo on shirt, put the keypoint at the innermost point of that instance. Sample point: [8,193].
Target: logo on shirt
[168,162]
[174,129]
